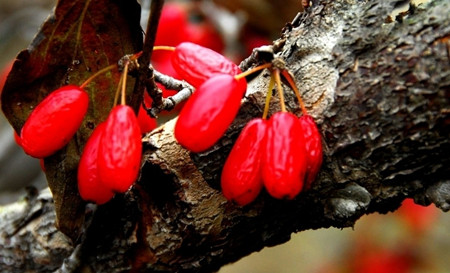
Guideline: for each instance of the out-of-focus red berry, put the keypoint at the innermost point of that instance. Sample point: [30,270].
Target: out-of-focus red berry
[418,218]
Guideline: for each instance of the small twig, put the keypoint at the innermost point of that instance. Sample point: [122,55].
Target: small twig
[150,35]
[170,102]
[184,89]
[170,82]
[145,76]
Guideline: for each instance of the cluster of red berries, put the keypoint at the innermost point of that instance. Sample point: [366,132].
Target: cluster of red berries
[283,153]
[110,161]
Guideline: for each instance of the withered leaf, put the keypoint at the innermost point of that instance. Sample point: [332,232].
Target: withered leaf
[80,38]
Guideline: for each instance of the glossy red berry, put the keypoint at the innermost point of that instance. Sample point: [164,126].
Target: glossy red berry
[284,162]
[54,121]
[241,175]
[313,147]
[89,185]
[120,150]
[196,64]
[207,114]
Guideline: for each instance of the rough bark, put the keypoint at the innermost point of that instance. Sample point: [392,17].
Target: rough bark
[380,94]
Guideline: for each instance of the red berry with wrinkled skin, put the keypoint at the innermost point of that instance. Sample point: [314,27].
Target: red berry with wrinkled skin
[209,111]
[241,175]
[284,162]
[54,121]
[89,185]
[120,150]
[196,64]
[313,146]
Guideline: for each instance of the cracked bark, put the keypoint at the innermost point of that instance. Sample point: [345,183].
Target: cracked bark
[380,94]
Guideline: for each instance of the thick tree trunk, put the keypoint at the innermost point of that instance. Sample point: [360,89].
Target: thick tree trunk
[380,94]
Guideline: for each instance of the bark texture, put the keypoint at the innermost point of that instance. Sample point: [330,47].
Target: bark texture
[380,94]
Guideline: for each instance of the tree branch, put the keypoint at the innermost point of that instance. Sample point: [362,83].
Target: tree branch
[379,92]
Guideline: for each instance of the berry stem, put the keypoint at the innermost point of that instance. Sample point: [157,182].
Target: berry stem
[253,70]
[168,48]
[276,73]
[116,96]
[98,73]
[124,83]
[288,76]
[136,56]
[268,96]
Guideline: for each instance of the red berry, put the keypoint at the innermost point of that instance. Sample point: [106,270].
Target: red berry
[241,174]
[54,121]
[207,114]
[196,64]
[284,162]
[89,185]
[171,29]
[313,146]
[417,217]
[383,261]
[120,150]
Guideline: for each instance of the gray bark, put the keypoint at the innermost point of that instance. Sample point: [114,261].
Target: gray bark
[380,94]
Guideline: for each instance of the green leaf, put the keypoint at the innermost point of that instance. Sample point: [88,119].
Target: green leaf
[80,38]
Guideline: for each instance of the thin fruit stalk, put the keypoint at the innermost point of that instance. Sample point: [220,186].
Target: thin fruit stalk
[89,185]
[196,64]
[313,147]
[208,113]
[120,150]
[54,121]
[241,175]
[284,162]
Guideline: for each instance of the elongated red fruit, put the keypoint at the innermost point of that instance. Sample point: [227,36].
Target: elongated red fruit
[284,162]
[241,175]
[54,121]
[209,111]
[195,64]
[89,185]
[313,147]
[120,150]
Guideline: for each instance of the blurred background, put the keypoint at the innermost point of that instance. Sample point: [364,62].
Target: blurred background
[414,239]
